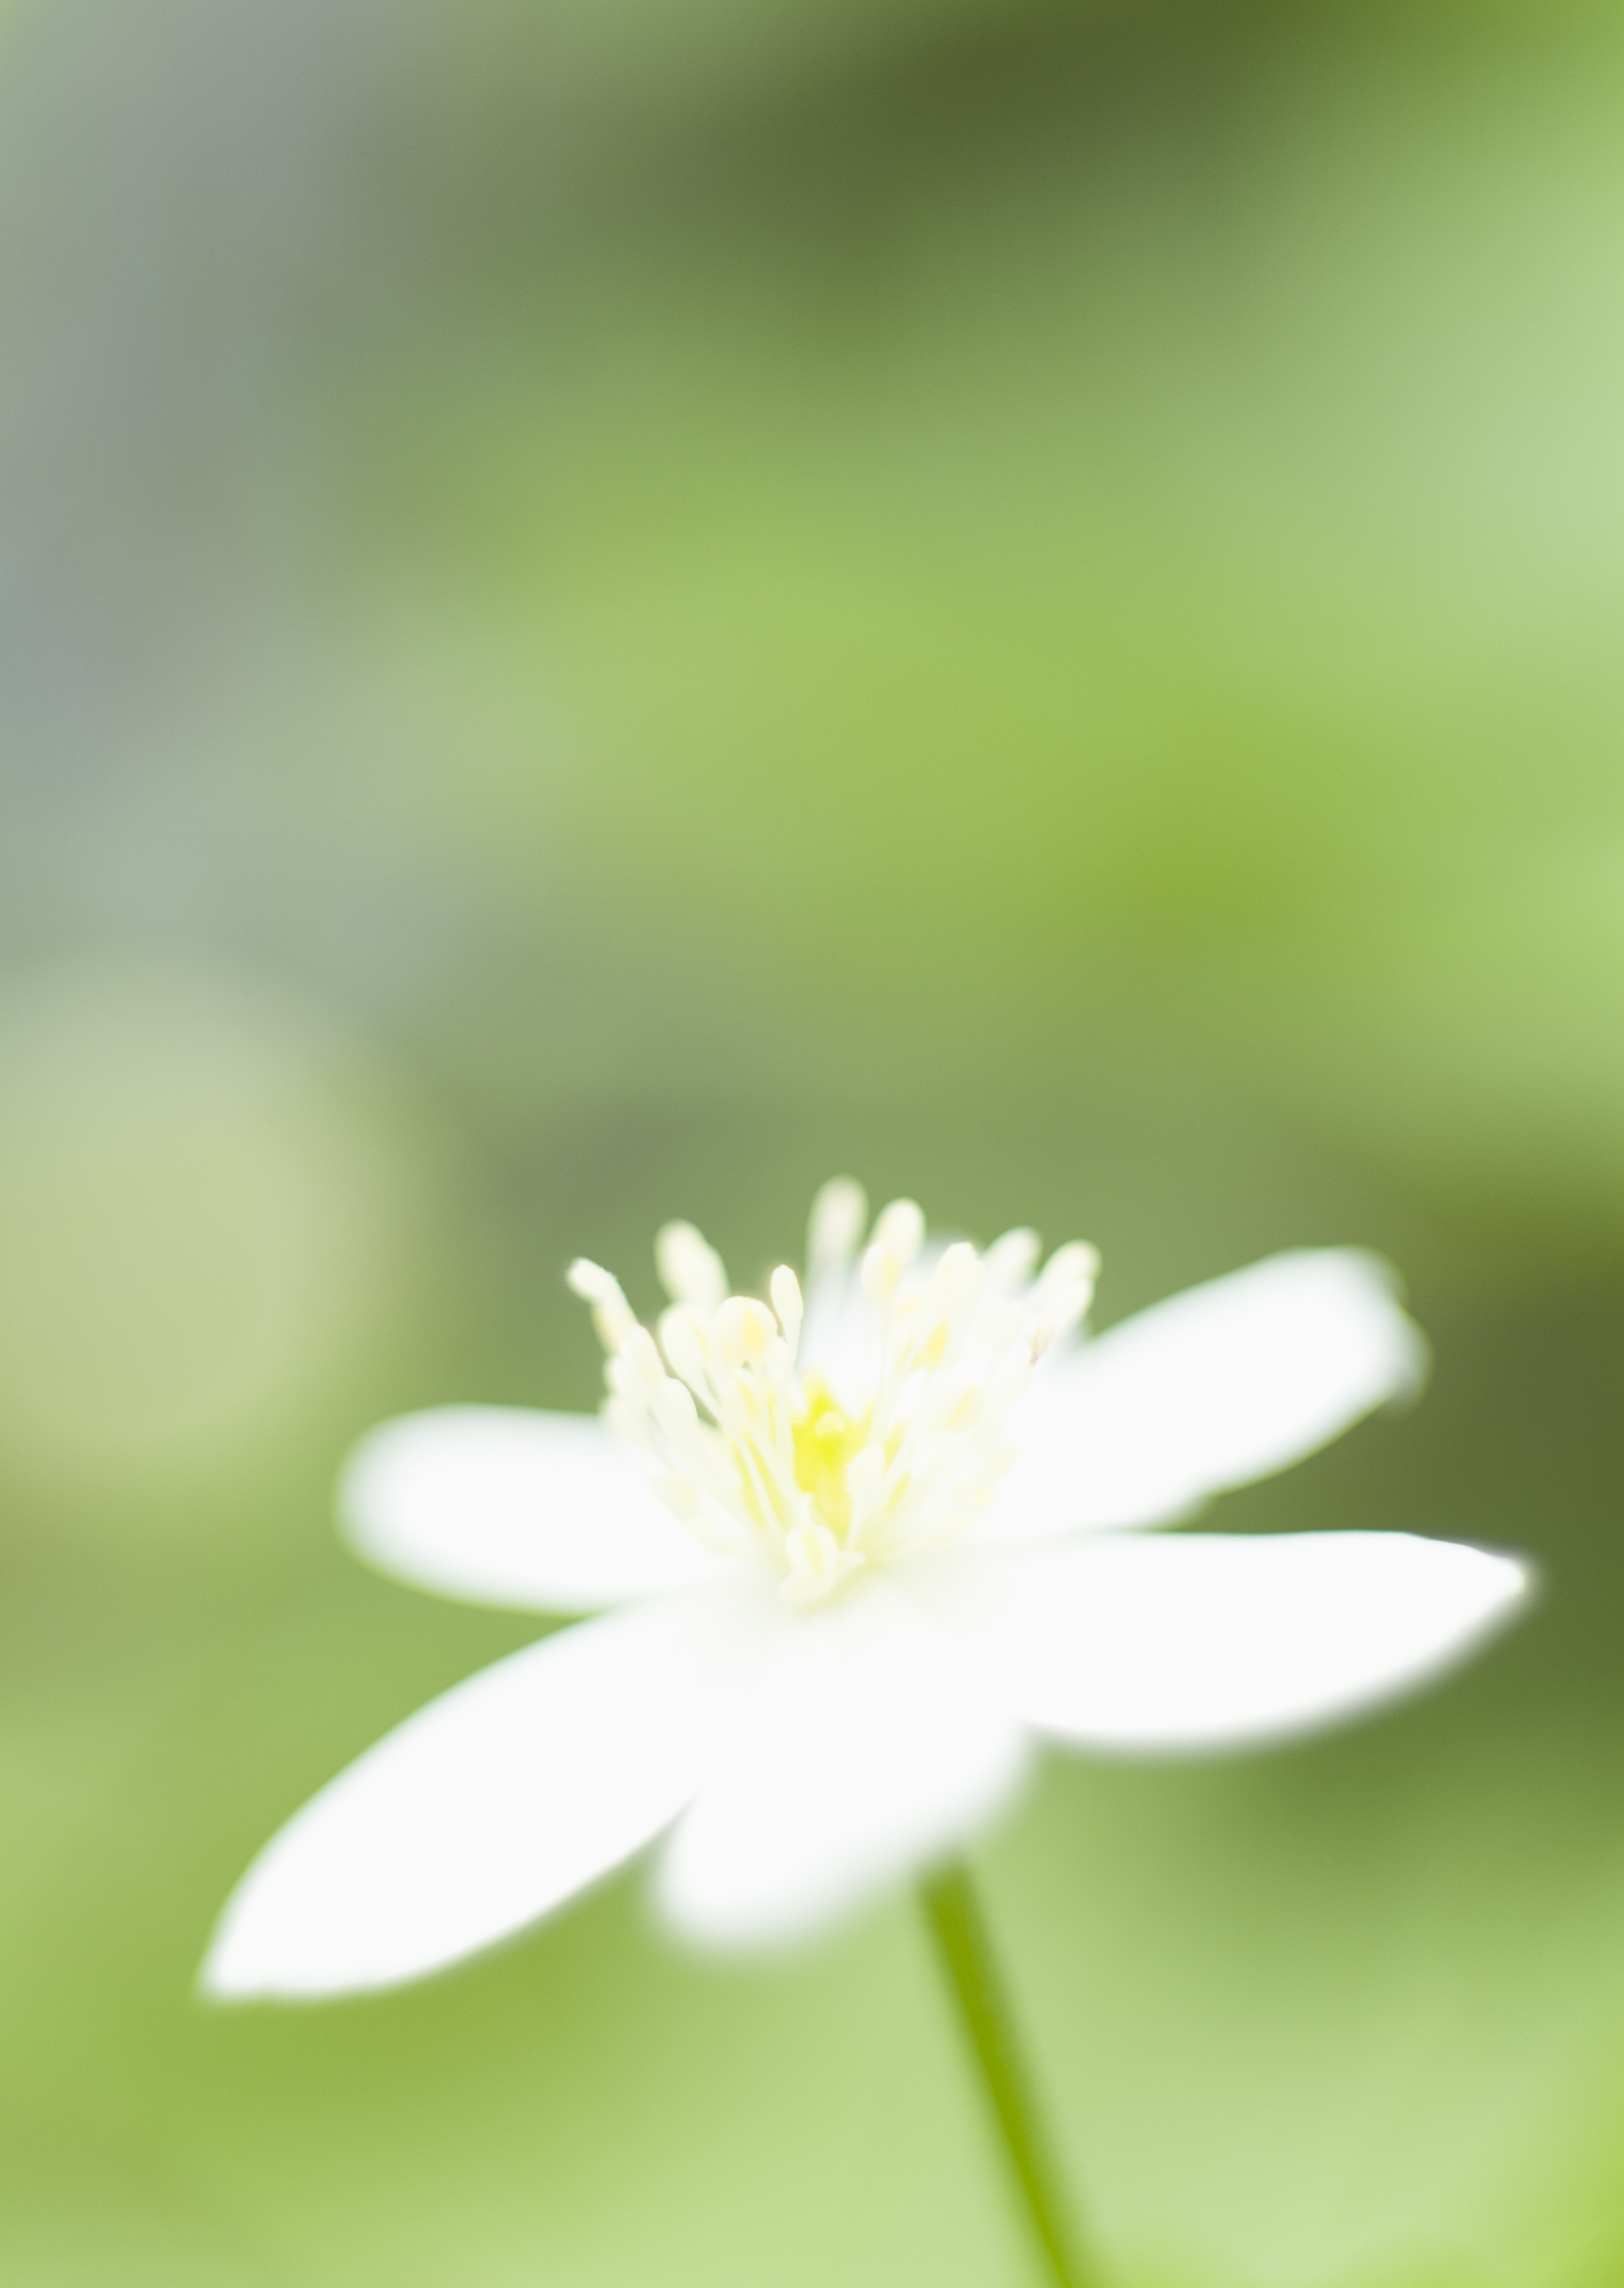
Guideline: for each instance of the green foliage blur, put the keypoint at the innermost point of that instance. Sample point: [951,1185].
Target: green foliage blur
[605,612]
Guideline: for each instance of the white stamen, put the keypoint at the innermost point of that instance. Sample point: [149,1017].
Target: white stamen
[785,1289]
[1011,1259]
[1076,1264]
[642,1354]
[901,1227]
[690,1269]
[682,1339]
[838,1215]
[882,1273]
[759,1459]
[744,1330]
[675,1410]
[611,1314]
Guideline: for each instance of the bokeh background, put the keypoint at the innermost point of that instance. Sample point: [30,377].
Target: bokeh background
[606,607]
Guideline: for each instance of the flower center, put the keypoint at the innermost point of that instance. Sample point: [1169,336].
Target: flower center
[889,1437]
[825,1442]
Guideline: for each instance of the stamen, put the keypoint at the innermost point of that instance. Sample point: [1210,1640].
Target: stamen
[785,1289]
[641,1353]
[611,1314]
[690,1269]
[744,1330]
[838,1215]
[1075,1264]
[675,1410]
[901,1227]
[1010,1260]
[759,1453]
[682,1339]
[882,1273]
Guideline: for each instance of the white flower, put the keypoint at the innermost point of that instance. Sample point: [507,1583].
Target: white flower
[855,1561]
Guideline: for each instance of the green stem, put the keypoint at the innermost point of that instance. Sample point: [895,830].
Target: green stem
[965,1947]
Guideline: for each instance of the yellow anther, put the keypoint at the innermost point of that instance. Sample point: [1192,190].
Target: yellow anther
[744,1328]
[826,1442]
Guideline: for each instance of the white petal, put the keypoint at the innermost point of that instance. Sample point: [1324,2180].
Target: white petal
[1205,1641]
[1228,1382]
[867,1747]
[498,1801]
[503,1505]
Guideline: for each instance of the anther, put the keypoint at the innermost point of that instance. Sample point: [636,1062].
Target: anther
[882,1271]
[1076,1260]
[785,1289]
[744,1328]
[690,1269]
[1011,1259]
[958,1265]
[611,1314]
[901,1227]
[838,1215]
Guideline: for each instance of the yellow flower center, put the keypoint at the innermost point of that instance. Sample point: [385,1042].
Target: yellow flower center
[825,1442]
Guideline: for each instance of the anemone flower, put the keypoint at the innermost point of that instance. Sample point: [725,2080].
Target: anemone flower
[852,1561]
[852,1554]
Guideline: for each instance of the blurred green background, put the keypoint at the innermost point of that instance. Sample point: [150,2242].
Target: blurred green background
[604,611]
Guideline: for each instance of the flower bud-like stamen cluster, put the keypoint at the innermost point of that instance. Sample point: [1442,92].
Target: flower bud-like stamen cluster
[822,1467]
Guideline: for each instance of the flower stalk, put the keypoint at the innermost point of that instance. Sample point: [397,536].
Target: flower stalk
[964,1945]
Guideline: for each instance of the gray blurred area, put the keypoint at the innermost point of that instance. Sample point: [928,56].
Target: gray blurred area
[181,218]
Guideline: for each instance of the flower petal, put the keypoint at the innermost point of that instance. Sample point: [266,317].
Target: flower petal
[1205,1641]
[498,1801]
[1228,1382]
[865,1747]
[506,1505]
